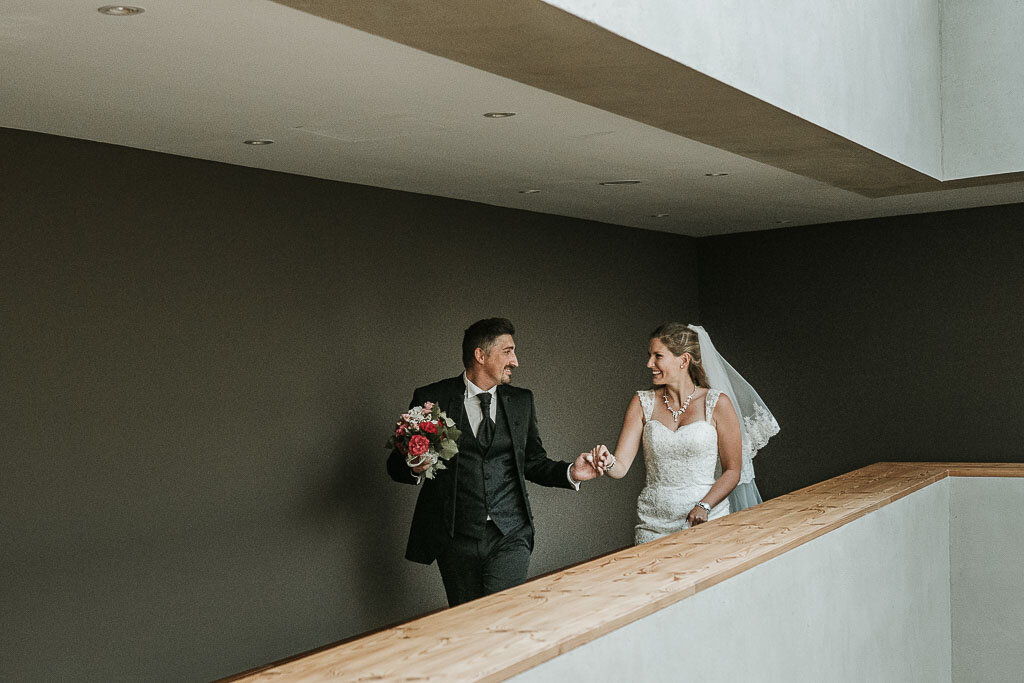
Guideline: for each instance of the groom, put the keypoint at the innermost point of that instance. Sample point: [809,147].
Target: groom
[474,517]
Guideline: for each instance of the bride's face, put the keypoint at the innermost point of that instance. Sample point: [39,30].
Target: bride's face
[665,366]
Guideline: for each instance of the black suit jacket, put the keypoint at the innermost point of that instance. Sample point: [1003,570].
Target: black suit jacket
[433,522]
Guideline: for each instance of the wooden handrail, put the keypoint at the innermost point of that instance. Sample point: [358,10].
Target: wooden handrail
[498,636]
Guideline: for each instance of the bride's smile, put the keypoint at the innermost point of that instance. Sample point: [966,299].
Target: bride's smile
[665,366]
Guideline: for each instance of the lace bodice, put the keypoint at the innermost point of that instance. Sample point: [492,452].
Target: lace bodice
[681,468]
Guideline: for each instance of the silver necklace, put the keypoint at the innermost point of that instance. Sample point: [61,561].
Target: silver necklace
[682,409]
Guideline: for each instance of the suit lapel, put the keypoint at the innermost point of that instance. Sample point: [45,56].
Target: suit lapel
[513,415]
[454,404]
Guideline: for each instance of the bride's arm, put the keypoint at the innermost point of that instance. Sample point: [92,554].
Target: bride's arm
[730,445]
[629,441]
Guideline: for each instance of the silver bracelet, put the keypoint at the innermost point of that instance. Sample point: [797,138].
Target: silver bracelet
[702,504]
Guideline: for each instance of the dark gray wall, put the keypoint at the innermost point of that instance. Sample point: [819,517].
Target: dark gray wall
[200,364]
[893,339]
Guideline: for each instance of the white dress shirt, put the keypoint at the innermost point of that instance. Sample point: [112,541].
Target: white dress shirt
[472,404]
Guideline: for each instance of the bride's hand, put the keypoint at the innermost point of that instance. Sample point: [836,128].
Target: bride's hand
[603,458]
[698,515]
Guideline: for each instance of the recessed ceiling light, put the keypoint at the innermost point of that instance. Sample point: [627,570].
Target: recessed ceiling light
[528,191]
[658,215]
[620,182]
[499,114]
[259,141]
[715,175]
[120,10]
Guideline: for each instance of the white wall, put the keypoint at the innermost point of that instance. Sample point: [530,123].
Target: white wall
[986,529]
[982,87]
[937,85]
[866,602]
[868,70]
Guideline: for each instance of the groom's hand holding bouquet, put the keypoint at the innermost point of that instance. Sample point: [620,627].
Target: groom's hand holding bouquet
[426,437]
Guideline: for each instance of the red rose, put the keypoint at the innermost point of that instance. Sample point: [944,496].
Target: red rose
[428,427]
[418,445]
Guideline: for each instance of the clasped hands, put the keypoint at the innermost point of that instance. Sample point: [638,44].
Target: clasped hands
[593,464]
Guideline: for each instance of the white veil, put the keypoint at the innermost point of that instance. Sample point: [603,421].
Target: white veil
[757,424]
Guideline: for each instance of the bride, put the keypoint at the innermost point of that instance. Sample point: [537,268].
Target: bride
[700,426]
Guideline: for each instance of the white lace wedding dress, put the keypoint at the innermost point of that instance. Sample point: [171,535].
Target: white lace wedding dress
[681,467]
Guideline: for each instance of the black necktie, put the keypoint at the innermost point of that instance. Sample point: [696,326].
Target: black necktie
[485,432]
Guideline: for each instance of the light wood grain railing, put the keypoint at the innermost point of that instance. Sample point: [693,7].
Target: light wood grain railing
[504,634]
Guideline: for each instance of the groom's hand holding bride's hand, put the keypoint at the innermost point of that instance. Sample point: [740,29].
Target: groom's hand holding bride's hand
[604,460]
[585,468]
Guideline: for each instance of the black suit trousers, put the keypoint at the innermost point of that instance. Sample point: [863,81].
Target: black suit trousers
[474,567]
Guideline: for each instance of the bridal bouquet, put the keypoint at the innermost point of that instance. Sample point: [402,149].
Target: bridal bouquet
[425,434]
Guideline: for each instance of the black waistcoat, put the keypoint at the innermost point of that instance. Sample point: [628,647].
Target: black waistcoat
[488,483]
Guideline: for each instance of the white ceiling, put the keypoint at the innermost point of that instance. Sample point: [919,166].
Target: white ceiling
[197,77]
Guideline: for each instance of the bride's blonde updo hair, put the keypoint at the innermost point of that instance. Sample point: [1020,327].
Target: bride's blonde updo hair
[680,339]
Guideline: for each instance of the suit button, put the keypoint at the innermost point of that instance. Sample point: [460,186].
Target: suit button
[487,475]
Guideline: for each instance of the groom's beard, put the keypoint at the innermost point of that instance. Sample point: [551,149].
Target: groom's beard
[507,379]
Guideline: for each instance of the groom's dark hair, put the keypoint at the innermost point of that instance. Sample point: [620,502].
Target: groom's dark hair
[482,334]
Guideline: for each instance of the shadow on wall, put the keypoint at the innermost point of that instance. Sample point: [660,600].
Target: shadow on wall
[363,518]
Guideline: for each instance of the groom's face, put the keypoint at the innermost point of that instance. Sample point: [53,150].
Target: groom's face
[500,359]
